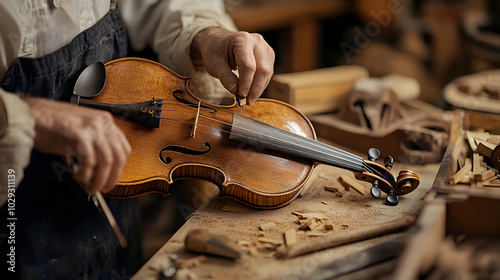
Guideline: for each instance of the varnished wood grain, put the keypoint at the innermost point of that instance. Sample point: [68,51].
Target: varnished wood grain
[258,178]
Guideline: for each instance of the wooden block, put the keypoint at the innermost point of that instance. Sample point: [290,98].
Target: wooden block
[478,165]
[485,148]
[470,138]
[290,237]
[495,183]
[315,91]
[488,174]
[462,173]
[349,182]
[267,226]
[494,139]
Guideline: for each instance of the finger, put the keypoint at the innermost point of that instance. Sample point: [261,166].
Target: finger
[121,151]
[261,78]
[245,61]
[86,156]
[105,160]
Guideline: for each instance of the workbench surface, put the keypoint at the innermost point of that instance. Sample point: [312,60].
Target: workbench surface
[346,209]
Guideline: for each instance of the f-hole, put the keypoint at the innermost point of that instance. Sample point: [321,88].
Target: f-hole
[182,150]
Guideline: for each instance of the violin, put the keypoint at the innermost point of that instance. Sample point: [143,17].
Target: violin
[261,155]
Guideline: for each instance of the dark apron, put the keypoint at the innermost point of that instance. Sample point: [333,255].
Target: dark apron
[59,234]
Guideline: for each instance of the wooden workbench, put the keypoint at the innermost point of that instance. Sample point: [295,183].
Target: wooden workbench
[347,209]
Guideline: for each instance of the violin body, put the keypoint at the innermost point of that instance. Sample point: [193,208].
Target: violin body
[261,155]
[261,179]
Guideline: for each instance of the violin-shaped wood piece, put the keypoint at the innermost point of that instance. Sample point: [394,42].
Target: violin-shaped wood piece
[261,155]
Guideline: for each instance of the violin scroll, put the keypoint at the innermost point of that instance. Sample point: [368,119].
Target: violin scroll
[383,181]
[407,181]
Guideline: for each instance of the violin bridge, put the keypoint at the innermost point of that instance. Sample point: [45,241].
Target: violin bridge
[193,132]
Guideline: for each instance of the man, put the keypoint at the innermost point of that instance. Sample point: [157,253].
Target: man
[44,46]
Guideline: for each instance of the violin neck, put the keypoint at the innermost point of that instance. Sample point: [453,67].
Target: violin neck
[264,136]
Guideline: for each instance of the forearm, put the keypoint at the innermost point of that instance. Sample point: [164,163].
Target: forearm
[17,128]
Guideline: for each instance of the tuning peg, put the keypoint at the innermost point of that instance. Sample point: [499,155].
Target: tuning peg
[388,162]
[392,199]
[373,154]
[375,191]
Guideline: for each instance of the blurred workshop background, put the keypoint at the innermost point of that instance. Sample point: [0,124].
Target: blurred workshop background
[433,41]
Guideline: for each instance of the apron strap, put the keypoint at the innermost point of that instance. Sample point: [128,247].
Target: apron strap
[113,4]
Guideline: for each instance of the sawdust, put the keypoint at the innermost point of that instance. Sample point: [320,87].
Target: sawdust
[332,213]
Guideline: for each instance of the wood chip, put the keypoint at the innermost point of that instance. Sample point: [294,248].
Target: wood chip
[267,226]
[303,216]
[329,225]
[269,241]
[349,182]
[310,224]
[290,237]
[331,189]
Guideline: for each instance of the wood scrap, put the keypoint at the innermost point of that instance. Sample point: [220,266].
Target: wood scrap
[309,223]
[329,225]
[485,148]
[267,226]
[333,190]
[463,174]
[349,182]
[478,165]
[344,237]
[290,237]
[304,216]
[484,176]
[269,241]
[482,169]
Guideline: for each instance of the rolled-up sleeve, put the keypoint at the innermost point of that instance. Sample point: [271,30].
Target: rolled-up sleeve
[169,28]
[17,133]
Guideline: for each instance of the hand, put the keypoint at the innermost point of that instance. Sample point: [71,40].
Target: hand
[222,51]
[90,135]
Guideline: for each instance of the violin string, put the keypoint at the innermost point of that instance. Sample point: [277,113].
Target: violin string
[353,159]
[324,157]
[372,170]
[357,161]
